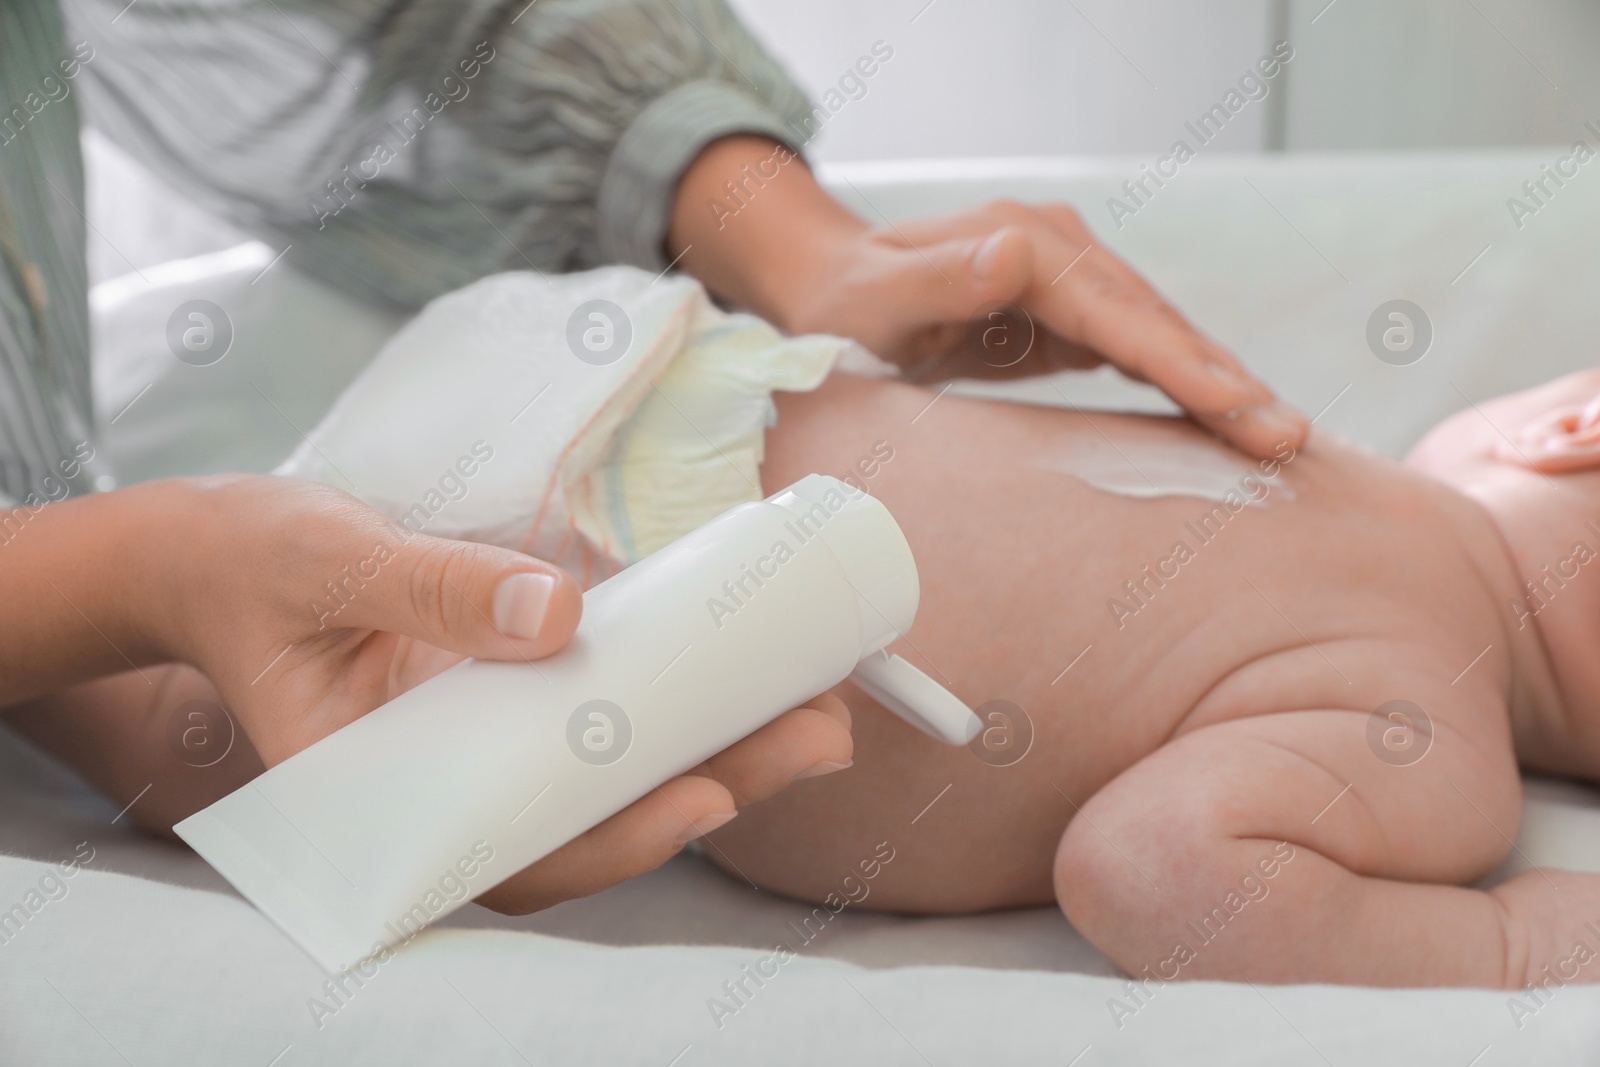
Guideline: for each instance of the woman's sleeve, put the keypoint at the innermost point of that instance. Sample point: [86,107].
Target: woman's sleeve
[402,149]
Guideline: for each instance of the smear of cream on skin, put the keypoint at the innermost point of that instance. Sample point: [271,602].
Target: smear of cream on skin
[1153,464]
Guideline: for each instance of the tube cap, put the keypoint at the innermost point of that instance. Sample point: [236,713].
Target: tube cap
[869,545]
[916,698]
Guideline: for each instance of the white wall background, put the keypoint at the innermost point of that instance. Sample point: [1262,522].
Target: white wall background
[1017,77]
[1443,73]
[1048,77]
[1095,77]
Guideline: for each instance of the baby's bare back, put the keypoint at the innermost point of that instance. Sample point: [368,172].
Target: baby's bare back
[1092,624]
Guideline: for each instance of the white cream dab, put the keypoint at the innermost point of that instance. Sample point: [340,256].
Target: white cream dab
[1145,465]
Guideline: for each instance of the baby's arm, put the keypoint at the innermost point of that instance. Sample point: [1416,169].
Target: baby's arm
[1282,848]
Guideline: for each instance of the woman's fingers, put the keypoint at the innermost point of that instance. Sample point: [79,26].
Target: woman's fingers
[1003,344]
[960,275]
[1104,304]
[639,838]
[1262,432]
[888,296]
[474,599]
[1089,298]
[650,831]
[1121,318]
[805,742]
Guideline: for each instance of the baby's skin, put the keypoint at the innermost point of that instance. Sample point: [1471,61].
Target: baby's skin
[1286,751]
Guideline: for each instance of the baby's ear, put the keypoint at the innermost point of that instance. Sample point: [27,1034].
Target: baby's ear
[1560,442]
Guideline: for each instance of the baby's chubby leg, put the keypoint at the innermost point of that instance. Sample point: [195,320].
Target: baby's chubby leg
[1281,848]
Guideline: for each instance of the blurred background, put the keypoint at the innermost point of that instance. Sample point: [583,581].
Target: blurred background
[1054,77]
[1018,78]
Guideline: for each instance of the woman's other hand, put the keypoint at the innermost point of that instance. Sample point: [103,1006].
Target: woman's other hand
[998,290]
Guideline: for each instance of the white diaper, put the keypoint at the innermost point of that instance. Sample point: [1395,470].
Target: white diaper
[517,411]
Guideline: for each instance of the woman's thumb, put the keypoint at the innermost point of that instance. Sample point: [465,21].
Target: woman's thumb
[478,600]
[973,272]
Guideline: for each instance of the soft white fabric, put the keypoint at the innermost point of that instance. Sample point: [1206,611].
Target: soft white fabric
[602,415]
[162,975]
[215,984]
[295,344]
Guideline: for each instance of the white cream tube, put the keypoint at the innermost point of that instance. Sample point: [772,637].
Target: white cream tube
[354,844]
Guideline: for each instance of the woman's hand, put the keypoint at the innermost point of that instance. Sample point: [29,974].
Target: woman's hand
[128,736]
[1002,289]
[306,609]
[804,743]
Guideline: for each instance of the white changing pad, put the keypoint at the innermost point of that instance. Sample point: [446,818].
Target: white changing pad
[164,964]
[1283,260]
[129,971]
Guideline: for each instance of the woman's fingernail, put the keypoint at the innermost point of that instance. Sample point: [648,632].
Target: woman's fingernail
[704,825]
[520,604]
[825,767]
[1233,379]
[1280,418]
[988,256]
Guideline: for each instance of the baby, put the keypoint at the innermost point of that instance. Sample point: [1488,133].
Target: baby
[1265,730]
[1244,720]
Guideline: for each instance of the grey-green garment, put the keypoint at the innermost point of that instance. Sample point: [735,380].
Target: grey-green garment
[45,409]
[397,148]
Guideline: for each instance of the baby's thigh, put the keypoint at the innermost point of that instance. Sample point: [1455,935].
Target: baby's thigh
[1309,807]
